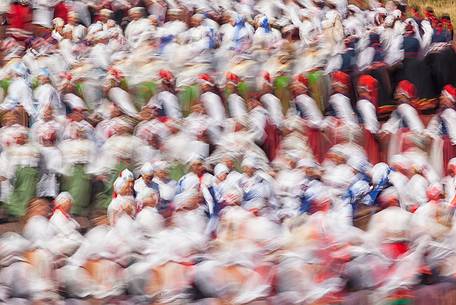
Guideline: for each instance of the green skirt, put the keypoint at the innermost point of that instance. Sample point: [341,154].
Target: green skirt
[104,196]
[188,97]
[79,185]
[24,189]
[281,85]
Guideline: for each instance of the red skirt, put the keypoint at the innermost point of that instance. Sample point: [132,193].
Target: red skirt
[314,140]
[372,147]
[272,140]
[448,153]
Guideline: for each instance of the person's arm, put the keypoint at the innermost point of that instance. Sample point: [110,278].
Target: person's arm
[393,123]
[413,119]
[369,115]
[433,128]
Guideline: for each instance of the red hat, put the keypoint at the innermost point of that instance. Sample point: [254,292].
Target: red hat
[300,79]
[232,78]
[340,78]
[205,79]
[450,92]
[267,78]
[166,75]
[115,73]
[369,84]
[407,88]
[66,75]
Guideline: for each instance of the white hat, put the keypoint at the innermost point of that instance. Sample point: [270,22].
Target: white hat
[147,169]
[74,101]
[73,14]
[63,196]
[136,10]
[360,188]
[58,22]
[68,28]
[307,163]
[161,165]
[220,169]
[127,174]
[119,184]
[249,162]
[105,12]
[123,100]
[379,172]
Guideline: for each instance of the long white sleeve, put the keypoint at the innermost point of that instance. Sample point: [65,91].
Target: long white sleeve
[369,115]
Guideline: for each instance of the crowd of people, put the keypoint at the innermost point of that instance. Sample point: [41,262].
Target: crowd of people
[224,150]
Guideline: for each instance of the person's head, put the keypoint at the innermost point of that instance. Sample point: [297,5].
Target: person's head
[168,80]
[161,170]
[401,164]
[198,108]
[253,102]
[104,15]
[452,167]
[206,83]
[77,132]
[10,118]
[266,83]
[229,162]
[196,20]
[147,172]
[434,192]
[21,136]
[114,111]
[232,81]
[248,166]
[174,14]
[405,92]
[48,113]
[367,88]
[122,186]
[58,24]
[300,85]
[44,76]
[147,198]
[389,197]
[336,157]
[67,31]
[136,13]
[448,97]
[197,166]
[48,137]
[340,82]
[147,113]
[64,201]
[77,115]
[128,175]
[221,171]
[73,18]
[153,20]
